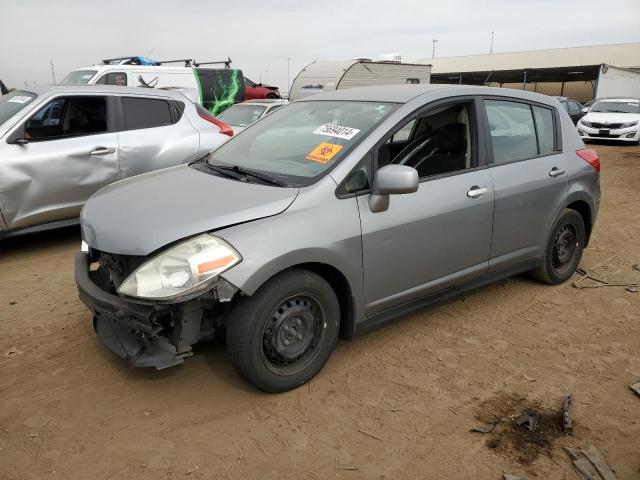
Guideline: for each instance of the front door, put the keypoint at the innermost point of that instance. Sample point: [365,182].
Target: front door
[71,152]
[439,236]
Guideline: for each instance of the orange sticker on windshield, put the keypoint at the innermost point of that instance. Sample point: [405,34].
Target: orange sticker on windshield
[324,152]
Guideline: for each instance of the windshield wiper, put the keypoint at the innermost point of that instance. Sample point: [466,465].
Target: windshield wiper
[239,172]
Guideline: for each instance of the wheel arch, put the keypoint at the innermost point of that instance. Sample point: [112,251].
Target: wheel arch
[581,204]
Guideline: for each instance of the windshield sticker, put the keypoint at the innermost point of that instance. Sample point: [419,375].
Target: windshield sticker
[19,99]
[324,152]
[346,133]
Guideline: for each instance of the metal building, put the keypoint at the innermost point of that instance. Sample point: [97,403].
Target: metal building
[579,72]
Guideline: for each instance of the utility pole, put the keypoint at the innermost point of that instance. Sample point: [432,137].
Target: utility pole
[491,49]
[53,72]
[433,51]
[288,74]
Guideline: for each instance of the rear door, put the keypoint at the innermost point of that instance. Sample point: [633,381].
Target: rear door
[71,152]
[529,176]
[154,133]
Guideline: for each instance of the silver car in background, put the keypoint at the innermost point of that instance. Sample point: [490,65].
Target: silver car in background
[331,216]
[60,144]
[241,115]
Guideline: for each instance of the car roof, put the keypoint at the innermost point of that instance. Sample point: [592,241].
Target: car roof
[402,93]
[106,89]
[266,101]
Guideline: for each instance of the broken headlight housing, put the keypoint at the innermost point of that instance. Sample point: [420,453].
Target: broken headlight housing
[183,270]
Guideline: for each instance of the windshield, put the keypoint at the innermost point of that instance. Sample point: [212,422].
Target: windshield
[13,103]
[78,77]
[242,115]
[617,107]
[302,141]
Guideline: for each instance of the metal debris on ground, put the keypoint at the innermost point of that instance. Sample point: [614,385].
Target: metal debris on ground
[508,476]
[529,420]
[485,428]
[599,282]
[635,387]
[567,424]
[590,464]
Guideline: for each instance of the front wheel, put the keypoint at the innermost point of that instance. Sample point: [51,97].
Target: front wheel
[564,249]
[281,336]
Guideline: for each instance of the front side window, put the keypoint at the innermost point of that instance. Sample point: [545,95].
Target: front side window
[513,134]
[116,78]
[146,113]
[300,143]
[68,117]
[436,143]
[242,115]
[79,77]
[14,102]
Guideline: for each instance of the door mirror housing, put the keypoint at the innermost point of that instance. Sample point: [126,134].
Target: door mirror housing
[18,138]
[584,109]
[392,180]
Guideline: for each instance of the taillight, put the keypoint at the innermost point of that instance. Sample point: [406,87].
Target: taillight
[224,128]
[591,157]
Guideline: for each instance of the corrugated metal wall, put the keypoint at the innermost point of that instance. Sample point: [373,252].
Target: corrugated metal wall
[365,74]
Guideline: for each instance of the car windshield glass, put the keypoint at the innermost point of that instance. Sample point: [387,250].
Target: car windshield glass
[13,103]
[242,115]
[301,142]
[78,77]
[617,107]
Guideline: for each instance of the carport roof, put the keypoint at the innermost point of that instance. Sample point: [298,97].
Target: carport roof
[554,74]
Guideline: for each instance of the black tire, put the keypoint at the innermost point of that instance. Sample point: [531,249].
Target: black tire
[281,336]
[564,249]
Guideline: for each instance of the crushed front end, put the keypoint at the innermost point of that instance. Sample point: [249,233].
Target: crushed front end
[146,333]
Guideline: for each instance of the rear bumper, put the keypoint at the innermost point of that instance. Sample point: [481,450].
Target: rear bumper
[127,328]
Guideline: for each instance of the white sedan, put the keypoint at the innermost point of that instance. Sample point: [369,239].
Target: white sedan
[612,119]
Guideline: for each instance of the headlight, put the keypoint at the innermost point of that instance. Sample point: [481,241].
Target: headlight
[629,124]
[585,123]
[187,268]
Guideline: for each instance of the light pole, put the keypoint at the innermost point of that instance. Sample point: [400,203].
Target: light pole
[288,74]
[491,49]
[53,72]
[433,51]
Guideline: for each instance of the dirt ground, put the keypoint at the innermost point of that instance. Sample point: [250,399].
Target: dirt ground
[395,404]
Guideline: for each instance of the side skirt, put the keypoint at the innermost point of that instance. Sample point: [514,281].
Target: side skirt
[41,227]
[381,318]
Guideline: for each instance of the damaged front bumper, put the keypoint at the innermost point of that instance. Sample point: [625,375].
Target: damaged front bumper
[146,334]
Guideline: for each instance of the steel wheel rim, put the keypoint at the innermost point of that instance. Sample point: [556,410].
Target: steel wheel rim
[565,246]
[292,334]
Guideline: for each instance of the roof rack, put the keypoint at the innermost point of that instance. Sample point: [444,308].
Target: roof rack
[188,62]
[135,60]
[227,63]
[138,60]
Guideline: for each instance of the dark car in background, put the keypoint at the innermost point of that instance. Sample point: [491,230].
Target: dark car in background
[573,108]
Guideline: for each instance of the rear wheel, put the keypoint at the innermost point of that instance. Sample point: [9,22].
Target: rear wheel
[281,336]
[564,249]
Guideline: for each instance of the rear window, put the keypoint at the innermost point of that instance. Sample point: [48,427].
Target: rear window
[13,103]
[79,77]
[513,134]
[146,113]
[544,126]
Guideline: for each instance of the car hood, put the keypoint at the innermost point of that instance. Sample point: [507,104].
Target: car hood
[140,215]
[603,117]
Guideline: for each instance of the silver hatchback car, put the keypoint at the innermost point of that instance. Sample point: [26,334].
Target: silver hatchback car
[60,144]
[331,216]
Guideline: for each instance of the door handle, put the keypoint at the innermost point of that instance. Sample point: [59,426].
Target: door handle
[102,151]
[475,191]
[556,172]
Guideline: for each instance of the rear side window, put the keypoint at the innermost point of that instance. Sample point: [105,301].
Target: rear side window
[544,126]
[117,78]
[513,134]
[146,113]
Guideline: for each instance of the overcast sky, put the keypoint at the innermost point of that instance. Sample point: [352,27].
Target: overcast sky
[259,36]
